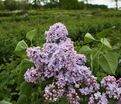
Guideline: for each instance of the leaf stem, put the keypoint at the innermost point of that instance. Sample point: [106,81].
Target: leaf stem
[93,57]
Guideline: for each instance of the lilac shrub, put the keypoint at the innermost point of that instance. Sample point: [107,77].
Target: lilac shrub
[58,60]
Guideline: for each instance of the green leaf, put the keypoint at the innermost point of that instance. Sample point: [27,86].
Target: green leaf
[25,63]
[88,38]
[26,88]
[109,62]
[105,42]
[22,67]
[95,63]
[85,49]
[63,100]
[4,102]
[21,46]
[30,35]
[23,99]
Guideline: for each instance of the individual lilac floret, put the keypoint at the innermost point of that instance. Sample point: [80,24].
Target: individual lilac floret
[31,75]
[80,59]
[50,48]
[119,82]
[119,101]
[72,96]
[52,94]
[33,53]
[56,33]
[108,80]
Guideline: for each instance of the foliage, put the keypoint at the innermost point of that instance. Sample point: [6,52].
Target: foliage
[102,25]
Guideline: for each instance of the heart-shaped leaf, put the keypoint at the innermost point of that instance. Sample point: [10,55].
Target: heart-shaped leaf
[21,46]
[30,35]
[109,62]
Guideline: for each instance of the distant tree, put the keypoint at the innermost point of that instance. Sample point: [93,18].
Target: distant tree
[24,4]
[86,1]
[53,1]
[69,4]
[27,1]
[36,2]
[116,3]
[39,2]
[10,4]
[1,5]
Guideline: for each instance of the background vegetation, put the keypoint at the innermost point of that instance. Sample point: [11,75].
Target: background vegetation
[14,25]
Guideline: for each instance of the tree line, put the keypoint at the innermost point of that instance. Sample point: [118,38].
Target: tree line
[49,4]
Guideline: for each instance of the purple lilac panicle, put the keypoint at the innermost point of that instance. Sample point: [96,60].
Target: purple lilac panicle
[57,59]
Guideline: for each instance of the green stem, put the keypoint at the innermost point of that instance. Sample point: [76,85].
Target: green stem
[92,58]
[97,52]
[91,62]
[31,44]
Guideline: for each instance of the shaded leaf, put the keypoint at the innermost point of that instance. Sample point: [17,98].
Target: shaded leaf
[23,99]
[26,88]
[22,67]
[109,62]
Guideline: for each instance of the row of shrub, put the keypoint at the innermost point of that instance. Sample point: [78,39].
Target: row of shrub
[38,4]
[78,13]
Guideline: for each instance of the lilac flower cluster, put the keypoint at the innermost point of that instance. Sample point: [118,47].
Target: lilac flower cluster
[112,90]
[112,87]
[56,33]
[98,98]
[58,60]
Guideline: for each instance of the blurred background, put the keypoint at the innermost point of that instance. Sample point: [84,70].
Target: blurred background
[60,4]
[101,18]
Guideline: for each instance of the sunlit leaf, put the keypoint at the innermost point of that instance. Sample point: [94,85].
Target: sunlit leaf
[21,46]
[88,38]
[30,35]
[4,102]
[105,42]
[85,49]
